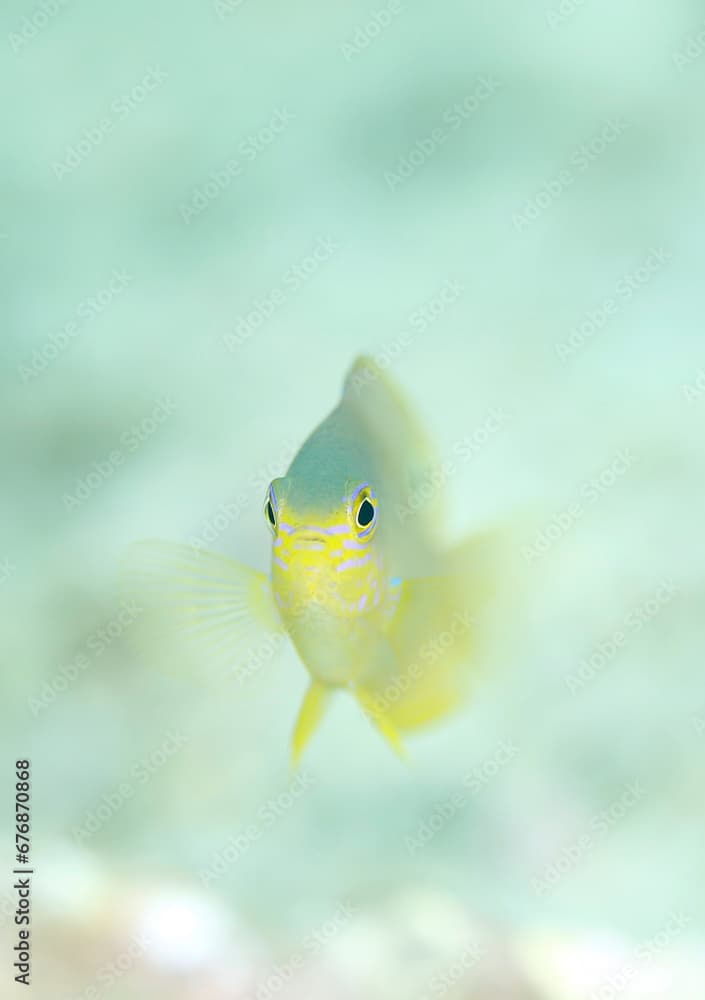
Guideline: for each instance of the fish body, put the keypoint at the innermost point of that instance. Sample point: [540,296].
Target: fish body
[364,590]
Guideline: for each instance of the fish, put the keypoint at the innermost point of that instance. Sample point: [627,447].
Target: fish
[360,580]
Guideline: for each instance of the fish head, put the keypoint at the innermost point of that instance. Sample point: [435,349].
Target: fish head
[324,551]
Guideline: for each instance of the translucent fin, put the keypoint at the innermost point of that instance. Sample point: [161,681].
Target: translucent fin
[432,637]
[440,633]
[383,722]
[216,611]
[310,714]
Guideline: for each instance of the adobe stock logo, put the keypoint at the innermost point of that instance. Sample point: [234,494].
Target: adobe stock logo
[579,162]
[365,34]
[88,309]
[202,196]
[452,119]
[121,107]
[472,784]
[292,281]
[34,23]
[571,856]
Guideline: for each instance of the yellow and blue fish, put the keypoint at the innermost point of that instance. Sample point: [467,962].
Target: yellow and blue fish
[359,580]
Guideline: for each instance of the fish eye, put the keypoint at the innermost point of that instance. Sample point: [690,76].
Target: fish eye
[270,510]
[364,511]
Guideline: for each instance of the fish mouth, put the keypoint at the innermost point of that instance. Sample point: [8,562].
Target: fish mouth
[309,541]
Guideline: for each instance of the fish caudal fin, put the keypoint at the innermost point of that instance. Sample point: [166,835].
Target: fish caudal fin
[310,714]
[207,606]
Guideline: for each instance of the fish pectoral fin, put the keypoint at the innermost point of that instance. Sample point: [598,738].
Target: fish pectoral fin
[445,627]
[379,718]
[193,600]
[310,714]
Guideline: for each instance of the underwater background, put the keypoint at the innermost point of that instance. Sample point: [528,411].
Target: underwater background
[209,209]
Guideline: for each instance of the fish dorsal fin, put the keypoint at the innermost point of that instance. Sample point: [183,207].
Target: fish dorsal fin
[406,449]
[381,404]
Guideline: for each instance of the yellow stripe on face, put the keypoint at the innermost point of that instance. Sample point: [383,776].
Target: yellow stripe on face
[353,563]
[325,564]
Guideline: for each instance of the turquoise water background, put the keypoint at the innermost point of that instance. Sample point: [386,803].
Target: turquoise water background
[209,210]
